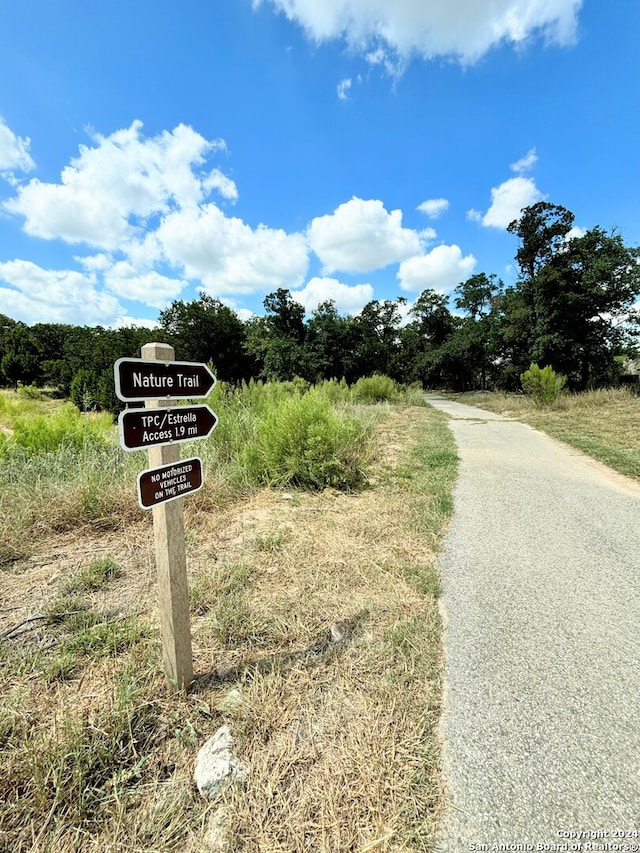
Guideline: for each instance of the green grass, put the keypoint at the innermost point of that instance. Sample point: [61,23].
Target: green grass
[602,423]
[95,576]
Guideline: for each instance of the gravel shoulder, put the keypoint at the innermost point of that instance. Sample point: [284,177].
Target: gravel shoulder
[541,599]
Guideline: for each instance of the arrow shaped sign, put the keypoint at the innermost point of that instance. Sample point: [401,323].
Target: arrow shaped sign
[140,428]
[145,379]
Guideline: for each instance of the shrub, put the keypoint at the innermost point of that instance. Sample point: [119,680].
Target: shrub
[334,391]
[374,389]
[302,441]
[542,384]
[31,392]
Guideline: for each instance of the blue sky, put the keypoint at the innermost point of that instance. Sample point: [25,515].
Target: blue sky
[344,149]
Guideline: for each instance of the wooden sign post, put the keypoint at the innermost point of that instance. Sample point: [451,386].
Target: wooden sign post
[171,557]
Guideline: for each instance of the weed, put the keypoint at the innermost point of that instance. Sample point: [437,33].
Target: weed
[94,576]
[269,542]
[61,609]
[66,426]
[104,638]
[542,384]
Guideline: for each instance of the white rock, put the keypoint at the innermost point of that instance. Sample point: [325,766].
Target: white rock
[216,838]
[216,765]
[231,700]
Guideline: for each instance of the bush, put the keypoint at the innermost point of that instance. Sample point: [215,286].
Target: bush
[542,384]
[374,389]
[31,392]
[302,441]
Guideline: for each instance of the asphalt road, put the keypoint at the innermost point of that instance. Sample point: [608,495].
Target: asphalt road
[541,603]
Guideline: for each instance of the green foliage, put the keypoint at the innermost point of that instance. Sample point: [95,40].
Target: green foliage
[31,392]
[83,390]
[542,384]
[302,441]
[65,426]
[94,576]
[375,389]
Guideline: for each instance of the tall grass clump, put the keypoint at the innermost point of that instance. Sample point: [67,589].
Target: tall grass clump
[64,489]
[303,441]
[67,426]
[374,389]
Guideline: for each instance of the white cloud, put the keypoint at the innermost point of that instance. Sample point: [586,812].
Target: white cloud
[433,207]
[463,29]
[441,269]
[227,255]
[526,163]
[348,299]
[507,202]
[360,236]
[149,287]
[36,295]
[110,191]
[344,87]
[576,231]
[146,200]
[14,152]
[225,186]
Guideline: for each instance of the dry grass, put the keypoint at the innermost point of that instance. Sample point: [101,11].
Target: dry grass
[602,423]
[320,610]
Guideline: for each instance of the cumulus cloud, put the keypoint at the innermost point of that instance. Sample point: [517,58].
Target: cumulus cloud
[144,203]
[56,296]
[434,207]
[14,152]
[149,287]
[462,29]
[225,186]
[526,163]
[111,190]
[227,255]
[441,269]
[575,232]
[508,200]
[348,299]
[360,236]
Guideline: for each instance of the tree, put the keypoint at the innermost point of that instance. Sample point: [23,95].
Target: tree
[285,316]
[473,341]
[375,338]
[206,330]
[328,351]
[21,354]
[276,341]
[572,305]
[427,334]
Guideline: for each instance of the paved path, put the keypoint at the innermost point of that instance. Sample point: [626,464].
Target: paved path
[541,599]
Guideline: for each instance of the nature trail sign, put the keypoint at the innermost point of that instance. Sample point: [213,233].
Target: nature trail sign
[138,379]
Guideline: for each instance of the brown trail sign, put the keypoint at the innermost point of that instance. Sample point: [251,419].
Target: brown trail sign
[148,379]
[159,485]
[139,428]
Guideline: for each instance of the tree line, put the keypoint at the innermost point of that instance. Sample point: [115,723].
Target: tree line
[571,307]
